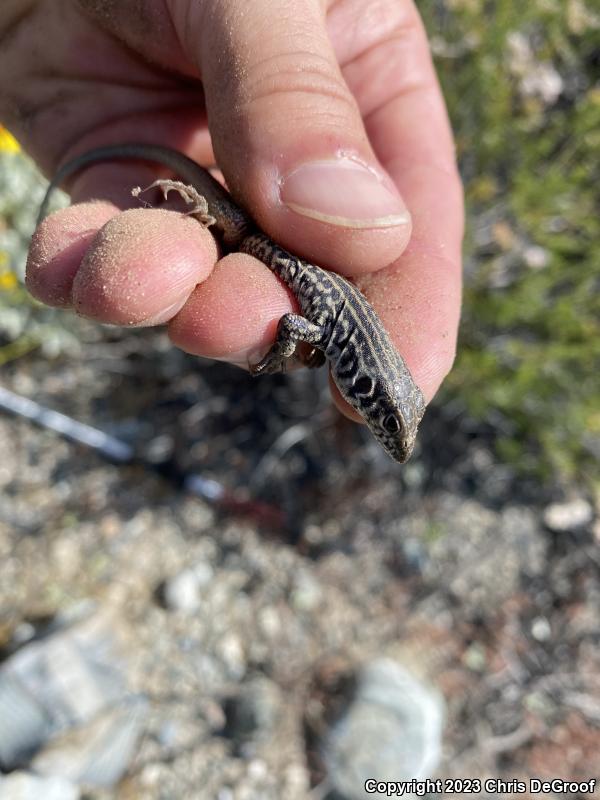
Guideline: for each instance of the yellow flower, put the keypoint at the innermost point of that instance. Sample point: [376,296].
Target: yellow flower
[8,281]
[8,143]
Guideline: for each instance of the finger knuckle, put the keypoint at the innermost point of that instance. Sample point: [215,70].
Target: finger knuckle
[310,80]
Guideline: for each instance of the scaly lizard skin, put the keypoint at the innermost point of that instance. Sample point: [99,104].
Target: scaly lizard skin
[337,320]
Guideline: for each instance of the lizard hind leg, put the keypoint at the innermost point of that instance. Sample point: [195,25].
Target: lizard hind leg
[292,328]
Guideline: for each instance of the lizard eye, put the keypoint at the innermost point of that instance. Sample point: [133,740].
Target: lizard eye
[390,424]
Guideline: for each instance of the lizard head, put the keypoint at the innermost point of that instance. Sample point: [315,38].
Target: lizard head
[392,410]
[397,416]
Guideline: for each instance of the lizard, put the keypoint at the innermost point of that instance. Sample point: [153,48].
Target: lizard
[337,321]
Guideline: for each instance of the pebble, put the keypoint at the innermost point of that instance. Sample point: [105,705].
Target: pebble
[183,591]
[575,513]
[536,257]
[544,82]
[306,594]
[539,79]
[540,629]
[231,651]
[474,657]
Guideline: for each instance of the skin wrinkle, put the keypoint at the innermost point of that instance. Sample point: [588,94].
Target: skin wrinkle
[366,26]
[304,65]
[12,19]
[419,87]
[396,36]
[417,83]
[152,82]
[133,22]
[271,68]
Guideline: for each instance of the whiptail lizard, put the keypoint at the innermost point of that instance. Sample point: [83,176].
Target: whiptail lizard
[338,322]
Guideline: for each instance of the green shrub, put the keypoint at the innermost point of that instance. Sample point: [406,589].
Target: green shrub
[530,158]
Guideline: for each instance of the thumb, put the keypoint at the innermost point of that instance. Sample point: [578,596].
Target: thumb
[288,134]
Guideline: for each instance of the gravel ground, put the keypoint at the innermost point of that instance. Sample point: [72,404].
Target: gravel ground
[245,632]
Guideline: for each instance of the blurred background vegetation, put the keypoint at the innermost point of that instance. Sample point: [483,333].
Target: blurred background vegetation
[522,84]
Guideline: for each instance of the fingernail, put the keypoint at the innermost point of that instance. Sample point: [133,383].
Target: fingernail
[345,192]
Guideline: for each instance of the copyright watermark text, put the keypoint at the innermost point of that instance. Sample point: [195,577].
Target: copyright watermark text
[475,785]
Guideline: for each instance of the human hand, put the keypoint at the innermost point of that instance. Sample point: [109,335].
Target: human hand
[347,91]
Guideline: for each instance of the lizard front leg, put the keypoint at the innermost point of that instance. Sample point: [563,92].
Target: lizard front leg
[292,328]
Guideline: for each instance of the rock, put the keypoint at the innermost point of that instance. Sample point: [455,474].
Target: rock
[24,724]
[64,699]
[306,593]
[252,713]
[391,730]
[575,513]
[544,82]
[182,592]
[540,629]
[55,683]
[536,257]
[538,79]
[25,786]
[99,753]
[230,650]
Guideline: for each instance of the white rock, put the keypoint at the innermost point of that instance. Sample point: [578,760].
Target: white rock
[231,650]
[183,591]
[392,730]
[25,786]
[574,513]
[536,257]
[544,82]
[540,629]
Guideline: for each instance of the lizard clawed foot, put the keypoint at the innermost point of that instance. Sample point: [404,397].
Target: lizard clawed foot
[292,330]
[188,193]
[271,364]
